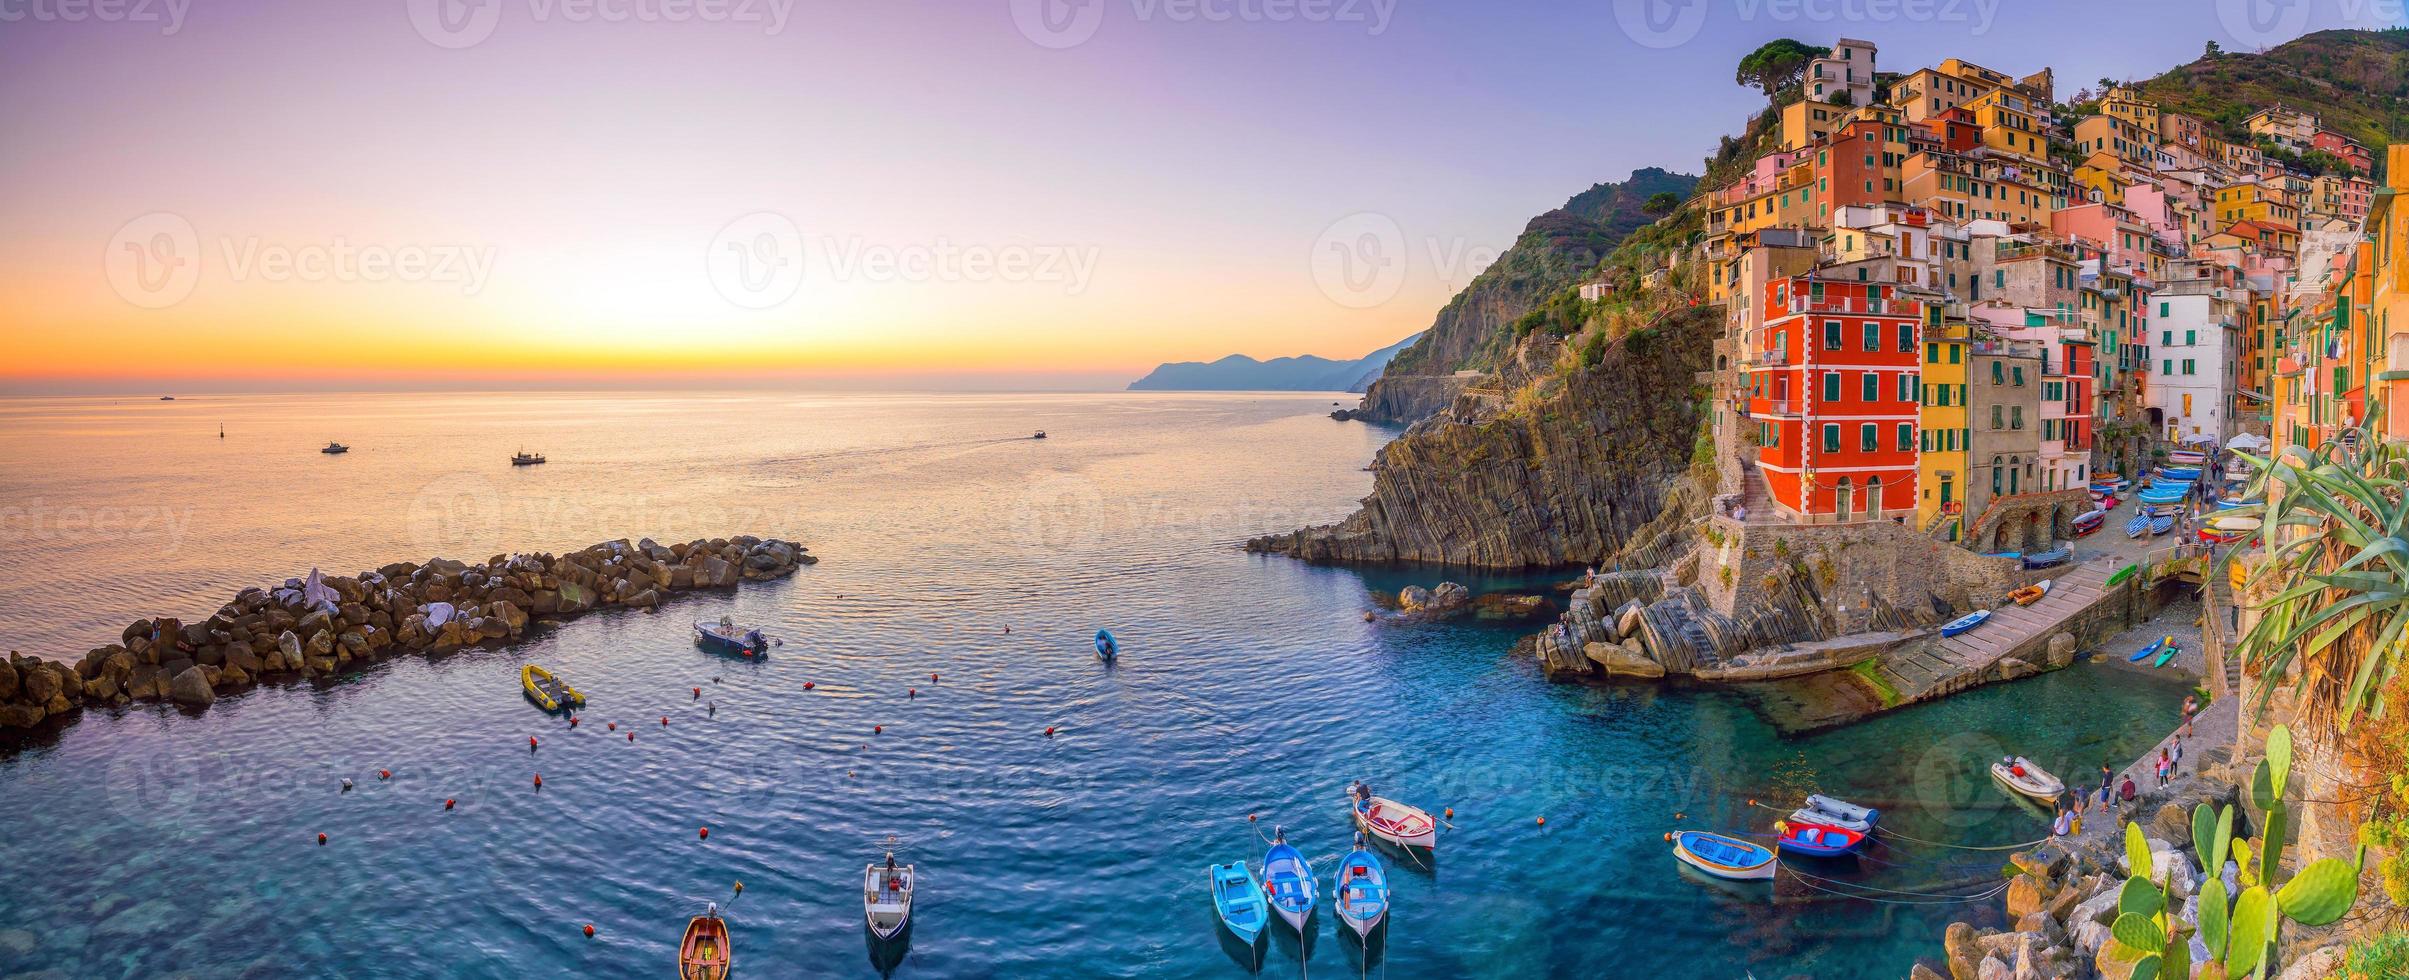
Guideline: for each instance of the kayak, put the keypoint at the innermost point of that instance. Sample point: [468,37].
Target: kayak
[2147,652]
[2167,655]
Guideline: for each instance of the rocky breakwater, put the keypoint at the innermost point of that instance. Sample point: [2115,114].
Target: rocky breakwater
[301,630]
[1561,471]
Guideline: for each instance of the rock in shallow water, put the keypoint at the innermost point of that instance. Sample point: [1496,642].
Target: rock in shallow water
[192,688]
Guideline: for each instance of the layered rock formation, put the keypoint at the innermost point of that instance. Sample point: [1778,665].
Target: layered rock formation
[1560,472]
[294,631]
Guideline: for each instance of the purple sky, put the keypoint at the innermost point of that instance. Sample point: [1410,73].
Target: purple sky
[977,201]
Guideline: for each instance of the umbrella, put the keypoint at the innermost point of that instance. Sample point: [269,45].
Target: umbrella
[2247,442]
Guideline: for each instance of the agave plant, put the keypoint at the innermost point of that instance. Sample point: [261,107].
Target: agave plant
[2337,539]
[2238,931]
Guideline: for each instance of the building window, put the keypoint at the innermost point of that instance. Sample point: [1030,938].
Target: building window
[1906,437]
[2188,366]
[1998,373]
[1906,387]
[1872,332]
[1996,418]
[2019,375]
[2016,417]
[1906,338]
[1870,387]
[1831,386]
[1866,438]
[1831,335]
[1831,437]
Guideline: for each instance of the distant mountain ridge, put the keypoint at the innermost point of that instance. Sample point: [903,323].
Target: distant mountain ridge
[1239,372]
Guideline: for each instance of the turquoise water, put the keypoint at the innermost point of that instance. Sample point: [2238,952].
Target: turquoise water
[143,841]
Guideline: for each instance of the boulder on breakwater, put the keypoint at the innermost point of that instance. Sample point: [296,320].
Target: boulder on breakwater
[291,632]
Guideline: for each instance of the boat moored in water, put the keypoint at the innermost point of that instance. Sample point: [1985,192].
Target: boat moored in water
[705,954]
[525,458]
[1288,881]
[1814,839]
[2027,778]
[548,692]
[1238,900]
[1363,890]
[1107,648]
[335,449]
[1723,857]
[1821,809]
[744,641]
[1388,820]
[887,897]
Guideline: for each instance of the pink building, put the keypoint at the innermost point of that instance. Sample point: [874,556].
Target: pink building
[2116,231]
[1760,179]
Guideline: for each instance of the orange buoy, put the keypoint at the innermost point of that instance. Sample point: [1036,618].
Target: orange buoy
[539,780]
[614,726]
[321,840]
[1450,813]
[705,834]
[572,721]
[807,685]
[589,930]
[877,729]
[1049,731]
[384,774]
[1250,818]
[932,678]
[531,742]
[631,736]
[1668,837]
[698,694]
[1752,803]
[447,804]
[1543,821]
[1681,816]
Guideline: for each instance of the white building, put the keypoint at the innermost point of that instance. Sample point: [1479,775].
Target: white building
[1847,71]
[2196,347]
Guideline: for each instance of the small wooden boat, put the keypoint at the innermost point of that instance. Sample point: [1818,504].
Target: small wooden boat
[1107,648]
[1288,882]
[705,954]
[725,635]
[2031,593]
[2186,457]
[2024,776]
[887,898]
[548,692]
[1965,622]
[2147,652]
[1721,856]
[1041,433]
[2049,559]
[1238,899]
[2167,654]
[525,458]
[1362,897]
[335,449]
[2156,496]
[2088,524]
[1388,820]
[2138,526]
[1814,839]
[1821,809]
[2161,524]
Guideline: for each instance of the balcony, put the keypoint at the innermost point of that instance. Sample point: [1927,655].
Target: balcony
[1779,406]
[1771,358]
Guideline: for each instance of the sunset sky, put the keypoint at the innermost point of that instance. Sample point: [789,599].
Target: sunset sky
[290,194]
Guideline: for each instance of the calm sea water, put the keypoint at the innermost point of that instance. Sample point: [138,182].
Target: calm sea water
[146,841]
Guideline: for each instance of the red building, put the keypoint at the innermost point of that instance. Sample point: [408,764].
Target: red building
[2350,150]
[1859,166]
[1835,397]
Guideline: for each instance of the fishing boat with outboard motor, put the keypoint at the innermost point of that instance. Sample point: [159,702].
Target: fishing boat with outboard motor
[1821,809]
[1723,857]
[887,897]
[727,637]
[705,954]
[1238,900]
[1815,839]
[1363,890]
[525,458]
[548,692]
[335,449]
[2026,777]
[1390,821]
[1288,881]
[1107,648]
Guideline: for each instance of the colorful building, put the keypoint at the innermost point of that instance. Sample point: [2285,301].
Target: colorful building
[1943,443]
[1836,401]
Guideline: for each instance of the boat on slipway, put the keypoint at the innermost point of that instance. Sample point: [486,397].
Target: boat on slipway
[2031,593]
[1965,623]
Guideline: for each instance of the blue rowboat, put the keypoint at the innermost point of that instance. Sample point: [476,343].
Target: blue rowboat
[1814,839]
[1363,890]
[2161,525]
[2162,496]
[1965,622]
[726,636]
[1107,648]
[2138,526]
[2003,554]
[1238,898]
[1288,879]
[1722,856]
[2147,652]
[2045,559]
[2184,473]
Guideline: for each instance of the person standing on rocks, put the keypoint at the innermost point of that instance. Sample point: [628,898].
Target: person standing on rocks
[2191,706]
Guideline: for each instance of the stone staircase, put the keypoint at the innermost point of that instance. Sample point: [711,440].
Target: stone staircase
[1756,496]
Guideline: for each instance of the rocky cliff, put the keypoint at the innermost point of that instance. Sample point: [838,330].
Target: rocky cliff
[1555,250]
[1558,464]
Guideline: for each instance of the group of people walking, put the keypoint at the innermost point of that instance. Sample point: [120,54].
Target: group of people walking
[2113,795]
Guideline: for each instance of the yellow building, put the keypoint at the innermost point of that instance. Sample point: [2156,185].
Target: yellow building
[1806,121]
[2116,137]
[2011,124]
[2388,299]
[1929,92]
[1942,475]
[2127,106]
[2250,200]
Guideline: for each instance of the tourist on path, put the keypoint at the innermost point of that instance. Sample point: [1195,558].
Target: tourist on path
[2191,706]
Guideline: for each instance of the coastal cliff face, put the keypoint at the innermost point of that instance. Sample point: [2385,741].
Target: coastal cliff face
[1563,475]
[1474,330]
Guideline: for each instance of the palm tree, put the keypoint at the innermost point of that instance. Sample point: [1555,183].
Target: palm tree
[2337,544]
